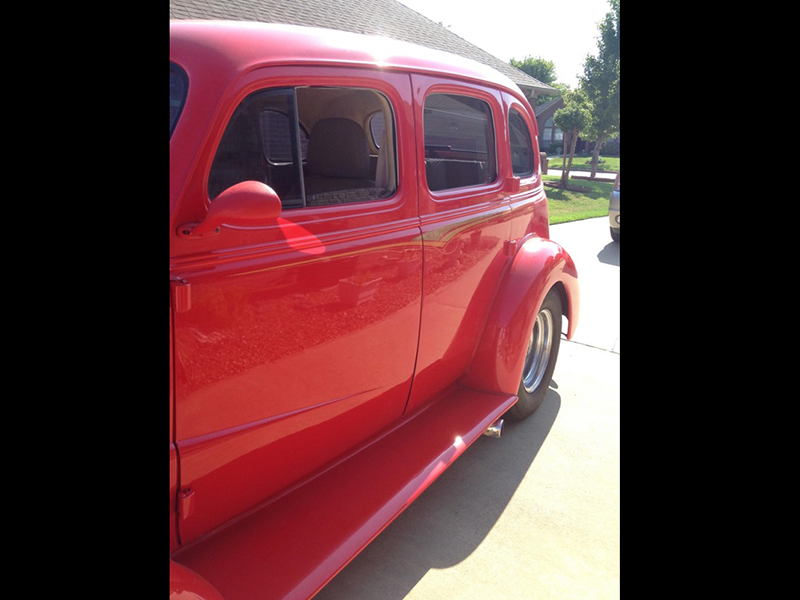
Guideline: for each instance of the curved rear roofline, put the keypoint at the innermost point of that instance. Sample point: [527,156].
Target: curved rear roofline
[246,45]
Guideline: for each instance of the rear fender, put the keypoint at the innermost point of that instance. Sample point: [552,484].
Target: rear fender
[537,267]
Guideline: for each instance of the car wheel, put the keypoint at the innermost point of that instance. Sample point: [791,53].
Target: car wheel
[540,359]
[614,234]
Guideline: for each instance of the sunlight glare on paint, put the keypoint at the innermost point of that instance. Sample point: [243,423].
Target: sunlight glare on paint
[299,238]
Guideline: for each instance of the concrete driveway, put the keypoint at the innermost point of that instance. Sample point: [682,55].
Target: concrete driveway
[597,260]
[535,514]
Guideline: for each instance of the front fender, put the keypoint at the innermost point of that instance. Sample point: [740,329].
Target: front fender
[538,266]
[185,584]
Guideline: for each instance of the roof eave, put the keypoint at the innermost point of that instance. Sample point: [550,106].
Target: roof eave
[531,91]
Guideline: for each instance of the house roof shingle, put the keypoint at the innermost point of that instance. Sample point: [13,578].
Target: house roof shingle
[388,18]
[547,106]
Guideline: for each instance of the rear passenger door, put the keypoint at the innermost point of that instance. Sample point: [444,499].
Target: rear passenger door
[299,338]
[464,217]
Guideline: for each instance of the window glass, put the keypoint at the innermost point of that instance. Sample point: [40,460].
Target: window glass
[277,133]
[521,147]
[377,127]
[459,142]
[309,146]
[177,94]
[241,156]
[551,132]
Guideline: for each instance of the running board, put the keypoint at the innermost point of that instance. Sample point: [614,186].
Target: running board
[292,546]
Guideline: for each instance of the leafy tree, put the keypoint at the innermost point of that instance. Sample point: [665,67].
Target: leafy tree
[572,119]
[541,69]
[563,88]
[538,68]
[600,83]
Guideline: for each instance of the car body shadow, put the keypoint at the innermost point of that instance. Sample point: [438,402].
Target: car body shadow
[451,518]
[609,254]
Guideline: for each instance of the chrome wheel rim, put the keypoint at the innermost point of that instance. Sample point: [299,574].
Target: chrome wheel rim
[539,348]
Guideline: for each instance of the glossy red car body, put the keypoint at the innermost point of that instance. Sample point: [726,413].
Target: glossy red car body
[327,363]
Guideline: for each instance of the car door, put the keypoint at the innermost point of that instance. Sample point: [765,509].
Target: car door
[295,341]
[464,216]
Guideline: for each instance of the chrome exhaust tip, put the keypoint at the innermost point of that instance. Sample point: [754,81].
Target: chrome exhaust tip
[495,430]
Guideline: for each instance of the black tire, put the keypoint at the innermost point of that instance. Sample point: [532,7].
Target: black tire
[540,358]
[614,234]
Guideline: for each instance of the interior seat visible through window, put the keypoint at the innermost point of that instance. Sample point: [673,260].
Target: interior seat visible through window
[338,168]
[336,163]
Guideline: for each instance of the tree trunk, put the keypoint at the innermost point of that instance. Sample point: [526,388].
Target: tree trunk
[573,143]
[596,155]
[564,162]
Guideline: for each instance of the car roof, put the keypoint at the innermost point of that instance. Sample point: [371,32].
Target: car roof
[241,46]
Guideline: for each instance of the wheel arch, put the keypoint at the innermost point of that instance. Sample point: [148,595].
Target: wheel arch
[568,308]
[538,266]
[185,584]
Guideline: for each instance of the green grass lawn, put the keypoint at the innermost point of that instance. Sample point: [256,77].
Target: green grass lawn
[566,205]
[584,163]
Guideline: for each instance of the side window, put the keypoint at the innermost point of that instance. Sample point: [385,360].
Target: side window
[309,146]
[459,142]
[241,155]
[377,127]
[277,133]
[521,146]
[177,94]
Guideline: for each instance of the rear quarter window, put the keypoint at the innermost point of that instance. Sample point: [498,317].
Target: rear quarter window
[521,145]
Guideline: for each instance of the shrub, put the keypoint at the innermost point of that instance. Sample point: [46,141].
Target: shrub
[611,147]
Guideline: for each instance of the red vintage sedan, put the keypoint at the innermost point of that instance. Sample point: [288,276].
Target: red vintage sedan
[361,285]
